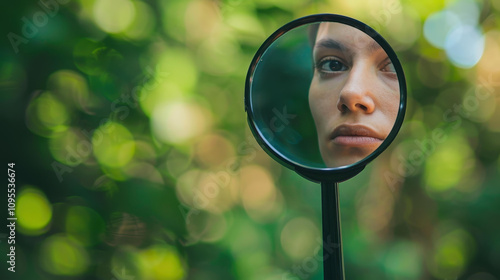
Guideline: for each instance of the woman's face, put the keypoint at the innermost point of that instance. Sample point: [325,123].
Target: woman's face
[354,94]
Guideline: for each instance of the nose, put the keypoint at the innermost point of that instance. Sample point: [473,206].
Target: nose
[356,94]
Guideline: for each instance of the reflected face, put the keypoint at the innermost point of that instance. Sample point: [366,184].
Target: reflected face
[354,94]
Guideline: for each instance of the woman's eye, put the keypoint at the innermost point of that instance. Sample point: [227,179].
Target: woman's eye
[331,65]
[389,67]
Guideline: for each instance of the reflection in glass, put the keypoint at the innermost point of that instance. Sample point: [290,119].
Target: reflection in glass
[324,95]
[354,93]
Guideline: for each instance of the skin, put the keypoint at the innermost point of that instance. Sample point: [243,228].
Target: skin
[353,96]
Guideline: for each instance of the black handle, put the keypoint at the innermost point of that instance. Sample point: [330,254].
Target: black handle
[333,261]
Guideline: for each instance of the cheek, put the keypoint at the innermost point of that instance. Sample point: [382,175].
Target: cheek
[390,108]
[389,98]
[319,102]
[394,102]
[313,98]
[323,98]
[325,93]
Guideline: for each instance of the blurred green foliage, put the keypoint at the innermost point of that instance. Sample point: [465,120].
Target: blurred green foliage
[126,122]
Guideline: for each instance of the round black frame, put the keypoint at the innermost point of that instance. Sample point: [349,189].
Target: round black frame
[335,174]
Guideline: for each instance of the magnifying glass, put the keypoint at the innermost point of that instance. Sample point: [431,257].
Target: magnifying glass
[325,95]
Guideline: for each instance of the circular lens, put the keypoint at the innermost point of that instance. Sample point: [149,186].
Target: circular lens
[325,94]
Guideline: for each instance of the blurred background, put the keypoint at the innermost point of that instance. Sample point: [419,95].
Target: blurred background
[133,158]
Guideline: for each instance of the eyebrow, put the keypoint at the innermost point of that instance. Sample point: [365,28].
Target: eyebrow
[329,43]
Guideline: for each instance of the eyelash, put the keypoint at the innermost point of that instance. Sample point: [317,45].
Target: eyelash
[393,70]
[391,73]
[323,62]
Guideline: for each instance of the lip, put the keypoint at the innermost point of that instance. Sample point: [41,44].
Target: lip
[355,135]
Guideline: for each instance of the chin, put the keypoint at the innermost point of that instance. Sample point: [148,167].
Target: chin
[344,158]
[341,161]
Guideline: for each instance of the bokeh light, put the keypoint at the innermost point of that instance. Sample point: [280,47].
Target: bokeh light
[71,88]
[178,122]
[404,260]
[51,112]
[34,211]
[84,225]
[213,150]
[178,161]
[143,170]
[178,66]
[205,226]
[404,28]
[143,25]
[70,147]
[459,55]
[213,52]
[259,196]
[160,262]
[62,256]
[452,252]
[299,238]
[455,29]
[117,21]
[445,168]
[210,191]
[202,20]
[488,61]
[113,144]
[46,115]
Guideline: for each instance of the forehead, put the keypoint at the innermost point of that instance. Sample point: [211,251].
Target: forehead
[349,36]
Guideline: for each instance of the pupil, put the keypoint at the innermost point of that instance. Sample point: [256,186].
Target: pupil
[335,65]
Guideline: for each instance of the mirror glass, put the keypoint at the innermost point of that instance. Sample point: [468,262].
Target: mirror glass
[325,95]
